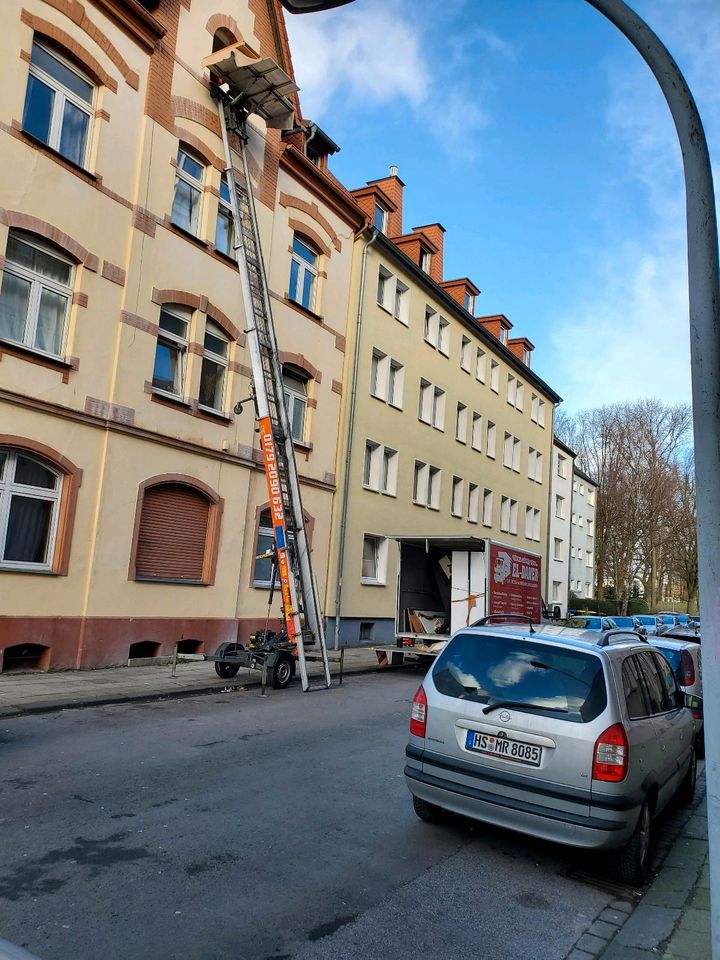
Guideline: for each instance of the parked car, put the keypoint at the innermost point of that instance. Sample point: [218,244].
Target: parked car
[627,623]
[650,623]
[685,659]
[591,623]
[577,737]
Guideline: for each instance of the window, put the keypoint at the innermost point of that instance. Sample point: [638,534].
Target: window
[384,277]
[402,302]
[536,525]
[541,413]
[591,497]
[529,523]
[494,376]
[380,468]
[581,520]
[590,528]
[177,524]
[29,504]
[480,365]
[430,329]
[561,465]
[582,489]
[519,396]
[656,685]
[559,507]
[431,404]
[58,104]
[573,519]
[465,352]
[575,486]
[438,411]
[378,373]
[224,231]
[295,393]
[508,450]
[171,349]
[532,455]
[516,455]
[556,591]
[303,274]
[503,335]
[380,218]
[588,558]
[513,516]
[444,336]
[490,444]
[534,407]
[35,294]
[505,514]
[457,497]
[374,557]
[476,431]
[424,260]
[420,483]
[434,480]
[387,377]
[538,467]
[396,380]
[487,508]
[469,302]
[264,548]
[511,390]
[461,423]
[526,356]
[633,689]
[588,589]
[214,368]
[557,552]
[189,176]
[473,502]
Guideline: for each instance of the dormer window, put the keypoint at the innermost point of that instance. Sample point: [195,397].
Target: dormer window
[424,260]
[503,335]
[469,302]
[381,218]
[526,357]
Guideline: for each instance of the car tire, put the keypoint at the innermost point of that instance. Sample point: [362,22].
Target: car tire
[226,671]
[631,863]
[282,672]
[428,812]
[686,790]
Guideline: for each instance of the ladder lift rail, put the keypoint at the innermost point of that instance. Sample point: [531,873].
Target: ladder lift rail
[275,433]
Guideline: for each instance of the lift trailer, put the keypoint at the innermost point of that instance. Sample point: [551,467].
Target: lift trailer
[243,84]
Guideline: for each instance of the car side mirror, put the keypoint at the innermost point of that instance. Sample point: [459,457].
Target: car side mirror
[693,703]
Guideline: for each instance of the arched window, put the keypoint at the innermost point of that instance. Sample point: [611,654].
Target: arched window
[35,294]
[222,38]
[30,492]
[176,532]
[58,104]
[296,401]
[187,199]
[303,273]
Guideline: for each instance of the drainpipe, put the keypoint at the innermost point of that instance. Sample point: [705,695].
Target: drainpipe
[351,433]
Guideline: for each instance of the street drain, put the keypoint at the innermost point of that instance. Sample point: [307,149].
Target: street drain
[621,891]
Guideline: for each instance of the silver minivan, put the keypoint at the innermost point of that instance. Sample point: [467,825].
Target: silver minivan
[575,736]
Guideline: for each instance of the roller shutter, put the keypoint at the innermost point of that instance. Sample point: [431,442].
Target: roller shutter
[172,542]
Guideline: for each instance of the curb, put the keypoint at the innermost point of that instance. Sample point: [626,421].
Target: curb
[650,924]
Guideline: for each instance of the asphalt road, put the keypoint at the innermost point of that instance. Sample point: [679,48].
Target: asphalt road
[234,827]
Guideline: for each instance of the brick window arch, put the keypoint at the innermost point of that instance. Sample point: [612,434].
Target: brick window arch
[176,536]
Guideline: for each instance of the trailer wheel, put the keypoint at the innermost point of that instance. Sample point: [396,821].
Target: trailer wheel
[282,672]
[226,671]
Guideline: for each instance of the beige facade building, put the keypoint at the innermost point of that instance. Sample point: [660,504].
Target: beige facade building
[446,429]
[131,494]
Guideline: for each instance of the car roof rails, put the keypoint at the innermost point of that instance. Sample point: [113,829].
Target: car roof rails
[604,640]
[504,618]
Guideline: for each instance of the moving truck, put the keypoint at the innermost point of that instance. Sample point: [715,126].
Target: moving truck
[446,583]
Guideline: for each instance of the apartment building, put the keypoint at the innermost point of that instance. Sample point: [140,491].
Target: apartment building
[561,494]
[446,429]
[133,503]
[582,535]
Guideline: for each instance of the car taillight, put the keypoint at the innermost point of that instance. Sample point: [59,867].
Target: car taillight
[418,714]
[687,669]
[612,752]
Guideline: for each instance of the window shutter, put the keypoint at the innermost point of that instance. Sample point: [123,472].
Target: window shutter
[173,533]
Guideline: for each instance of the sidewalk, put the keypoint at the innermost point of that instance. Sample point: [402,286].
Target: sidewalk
[22,693]
[672,919]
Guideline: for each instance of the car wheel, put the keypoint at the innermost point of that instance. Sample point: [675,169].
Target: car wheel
[631,862]
[686,791]
[428,811]
[282,673]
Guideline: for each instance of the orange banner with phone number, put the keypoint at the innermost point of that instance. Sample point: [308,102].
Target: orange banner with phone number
[277,513]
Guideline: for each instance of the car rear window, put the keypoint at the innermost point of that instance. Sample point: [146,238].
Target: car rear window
[539,678]
[584,623]
[672,656]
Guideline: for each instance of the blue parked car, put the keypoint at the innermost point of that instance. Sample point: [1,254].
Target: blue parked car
[591,623]
[628,623]
[651,623]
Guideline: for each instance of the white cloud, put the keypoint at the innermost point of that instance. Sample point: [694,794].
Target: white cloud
[627,333]
[383,53]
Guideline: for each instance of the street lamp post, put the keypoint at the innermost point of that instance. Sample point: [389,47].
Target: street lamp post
[704,298]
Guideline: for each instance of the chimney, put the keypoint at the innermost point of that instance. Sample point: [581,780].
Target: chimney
[392,185]
[435,232]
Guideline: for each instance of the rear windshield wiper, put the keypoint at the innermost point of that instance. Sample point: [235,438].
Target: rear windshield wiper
[522,705]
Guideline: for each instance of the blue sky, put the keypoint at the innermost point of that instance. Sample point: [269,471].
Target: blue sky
[536,135]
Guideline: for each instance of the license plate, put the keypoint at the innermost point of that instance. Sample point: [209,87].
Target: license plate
[516,750]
